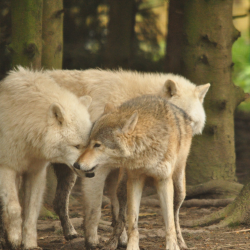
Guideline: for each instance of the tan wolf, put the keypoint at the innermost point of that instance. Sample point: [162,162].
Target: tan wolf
[116,87]
[149,137]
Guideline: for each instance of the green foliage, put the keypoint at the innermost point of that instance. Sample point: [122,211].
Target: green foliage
[241,75]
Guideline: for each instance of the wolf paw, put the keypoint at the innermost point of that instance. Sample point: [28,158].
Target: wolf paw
[111,244]
[123,240]
[183,246]
[71,236]
[133,246]
[14,245]
[172,246]
[91,246]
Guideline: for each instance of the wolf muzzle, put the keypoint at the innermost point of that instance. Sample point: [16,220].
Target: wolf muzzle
[87,172]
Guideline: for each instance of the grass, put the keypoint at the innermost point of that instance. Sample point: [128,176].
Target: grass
[241,74]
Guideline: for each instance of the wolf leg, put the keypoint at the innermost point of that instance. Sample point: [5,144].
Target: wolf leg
[34,185]
[92,189]
[11,213]
[134,192]
[179,196]
[111,187]
[66,179]
[165,191]
[120,230]
[119,236]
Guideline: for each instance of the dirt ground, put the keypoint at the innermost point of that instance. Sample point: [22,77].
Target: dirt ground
[151,223]
[151,226]
[151,230]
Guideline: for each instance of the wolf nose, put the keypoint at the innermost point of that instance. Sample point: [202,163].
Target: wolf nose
[76,165]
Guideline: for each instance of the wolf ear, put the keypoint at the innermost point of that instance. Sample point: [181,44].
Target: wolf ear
[130,124]
[86,100]
[170,87]
[57,112]
[202,90]
[109,107]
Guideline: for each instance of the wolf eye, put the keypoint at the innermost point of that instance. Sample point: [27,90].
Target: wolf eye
[97,145]
[77,146]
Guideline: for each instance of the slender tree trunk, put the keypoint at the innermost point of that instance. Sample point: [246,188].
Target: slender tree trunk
[174,37]
[206,57]
[51,59]
[52,34]
[120,33]
[26,45]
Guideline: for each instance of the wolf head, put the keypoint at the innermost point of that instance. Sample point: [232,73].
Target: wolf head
[68,130]
[187,96]
[107,140]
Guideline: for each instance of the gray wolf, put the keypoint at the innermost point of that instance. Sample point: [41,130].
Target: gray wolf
[116,87]
[149,137]
[40,122]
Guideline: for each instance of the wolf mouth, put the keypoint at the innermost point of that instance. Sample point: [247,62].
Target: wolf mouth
[90,170]
[89,173]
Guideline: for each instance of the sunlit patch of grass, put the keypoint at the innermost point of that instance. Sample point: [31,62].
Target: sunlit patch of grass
[241,74]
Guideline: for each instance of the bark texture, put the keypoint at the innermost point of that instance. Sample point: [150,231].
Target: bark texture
[174,37]
[206,57]
[52,34]
[26,44]
[120,33]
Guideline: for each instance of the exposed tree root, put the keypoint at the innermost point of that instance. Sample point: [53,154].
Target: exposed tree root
[191,203]
[215,189]
[207,202]
[236,213]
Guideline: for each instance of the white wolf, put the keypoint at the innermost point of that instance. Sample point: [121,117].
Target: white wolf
[40,122]
[116,87]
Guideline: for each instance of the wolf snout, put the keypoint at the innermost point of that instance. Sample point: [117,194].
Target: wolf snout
[77,165]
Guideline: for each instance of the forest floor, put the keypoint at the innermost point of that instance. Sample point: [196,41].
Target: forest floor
[151,230]
[151,227]
[150,221]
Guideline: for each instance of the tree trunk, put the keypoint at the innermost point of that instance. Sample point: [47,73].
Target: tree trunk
[120,33]
[26,45]
[174,37]
[52,34]
[206,57]
[51,59]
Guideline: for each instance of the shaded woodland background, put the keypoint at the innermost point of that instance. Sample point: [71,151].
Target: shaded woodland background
[138,35]
[88,45]
[85,35]
[142,46]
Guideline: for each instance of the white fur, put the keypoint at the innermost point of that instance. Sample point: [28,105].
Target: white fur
[40,122]
[117,87]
